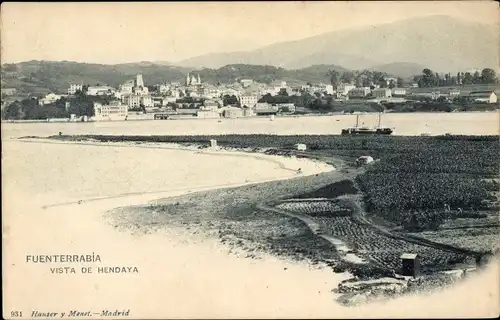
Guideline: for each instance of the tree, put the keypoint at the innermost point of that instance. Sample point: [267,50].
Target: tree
[437,80]
[283,92]
[476,78]
[428,78]
[382,82]
[400,82]
[229,100]
[467,78]
[459,78]
[12,111]
[334,77]
[347,77]
[392,84]
[488,76]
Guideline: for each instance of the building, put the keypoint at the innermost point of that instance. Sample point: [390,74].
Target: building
[398,92]
[100,91]
[147,101]
[344,88]
[127,87]
[483,97]
[329,89]
[210,105]
[210,91]
[139,81]
[249,99]
[363,160]
[246,82]
[233,112]
[208,114]
[49,98]
[452,93]
[248,112]
[286,107]
[301,147]
[131,100]
[114,111]
[9,91]
[74,87]
[381,93]
[265,109]
[410,265]
[359,93]
[192,80]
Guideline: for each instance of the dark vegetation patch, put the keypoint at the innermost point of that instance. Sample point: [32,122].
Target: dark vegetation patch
[331,191]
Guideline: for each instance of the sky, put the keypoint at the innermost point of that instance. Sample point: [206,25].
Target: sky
[173,31]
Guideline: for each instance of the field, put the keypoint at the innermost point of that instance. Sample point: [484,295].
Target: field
[418,191]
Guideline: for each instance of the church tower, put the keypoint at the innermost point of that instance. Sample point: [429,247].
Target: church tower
[199,80]
[139,81]
[188,80]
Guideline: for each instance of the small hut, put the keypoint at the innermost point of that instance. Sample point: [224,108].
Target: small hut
[364,160]
[301,147]
[213,143]
[410,265]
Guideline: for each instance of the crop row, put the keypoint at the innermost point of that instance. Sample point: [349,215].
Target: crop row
[382,249]
[314,208]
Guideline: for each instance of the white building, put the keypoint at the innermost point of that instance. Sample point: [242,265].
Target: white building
[329,89]
[453,93]
[74,87]
[111,112]
[249,99]
[49,98]
[483,97]
[192,80]
[139,81]
[212,92]
[127,88]
[398,92]
[100,91]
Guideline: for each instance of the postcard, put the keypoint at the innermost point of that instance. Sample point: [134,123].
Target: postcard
[250,160]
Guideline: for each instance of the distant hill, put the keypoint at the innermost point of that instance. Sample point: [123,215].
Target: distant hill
[55,76]
[51,76]
[441,43]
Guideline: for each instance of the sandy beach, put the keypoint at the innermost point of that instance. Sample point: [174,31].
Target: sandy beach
[181,273]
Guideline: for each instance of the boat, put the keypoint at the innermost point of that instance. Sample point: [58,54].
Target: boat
[365,130]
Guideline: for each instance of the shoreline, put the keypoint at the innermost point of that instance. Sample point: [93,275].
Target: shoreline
[156,197]
[255,117]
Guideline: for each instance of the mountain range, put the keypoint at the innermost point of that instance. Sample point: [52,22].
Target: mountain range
[441,43]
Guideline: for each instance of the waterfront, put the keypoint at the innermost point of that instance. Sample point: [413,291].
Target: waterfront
[469,123]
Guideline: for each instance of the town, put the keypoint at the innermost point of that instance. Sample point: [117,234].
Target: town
[246,97]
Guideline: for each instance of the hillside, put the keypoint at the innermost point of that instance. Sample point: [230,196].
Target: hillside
[45,76]
[442,43]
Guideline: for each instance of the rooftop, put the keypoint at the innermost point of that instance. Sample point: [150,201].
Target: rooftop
[409,256]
